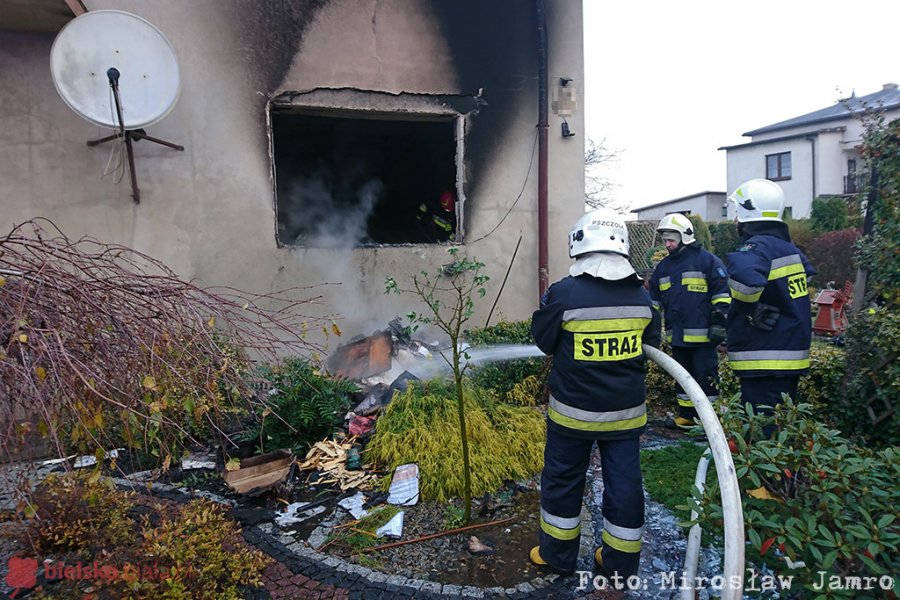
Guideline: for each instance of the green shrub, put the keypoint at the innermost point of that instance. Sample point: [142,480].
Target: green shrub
[660,386]
[829,213]
[811,496]
[874,334]
[874,379]
[502,377]
[78,512]
[421,426]
[655,254]
[203,548]
[305,405]
[725,238]
[820,387]
[802,233]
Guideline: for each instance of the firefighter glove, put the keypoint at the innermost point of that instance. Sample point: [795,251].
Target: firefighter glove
[716,333]
[717,321]
[764,316]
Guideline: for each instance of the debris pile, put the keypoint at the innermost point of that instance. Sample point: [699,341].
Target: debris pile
[329,458]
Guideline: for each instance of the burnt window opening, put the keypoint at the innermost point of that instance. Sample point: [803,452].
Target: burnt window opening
[357,181]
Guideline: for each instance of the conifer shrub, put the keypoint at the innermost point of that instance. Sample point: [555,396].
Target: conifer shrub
[725,238]
[701,232]
[195,551]
[802,233]
[421,426]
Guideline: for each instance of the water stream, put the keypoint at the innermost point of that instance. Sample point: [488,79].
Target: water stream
[439,365]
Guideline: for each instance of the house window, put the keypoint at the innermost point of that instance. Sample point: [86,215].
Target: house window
[778,166]
[788,213]
[348,180]
[725,210]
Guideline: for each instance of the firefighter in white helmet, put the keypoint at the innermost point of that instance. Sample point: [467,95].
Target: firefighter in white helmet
[690,288]
[769,322]
[594,323]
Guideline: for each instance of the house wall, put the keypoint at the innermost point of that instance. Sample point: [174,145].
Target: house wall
[750,163]
[708,206]
[208,212]
[835,143]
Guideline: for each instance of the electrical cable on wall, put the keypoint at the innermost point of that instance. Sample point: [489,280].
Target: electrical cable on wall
[522,191]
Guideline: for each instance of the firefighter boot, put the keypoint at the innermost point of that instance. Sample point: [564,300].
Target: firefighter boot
[535,557]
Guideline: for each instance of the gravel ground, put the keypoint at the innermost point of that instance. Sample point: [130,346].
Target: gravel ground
[446,559]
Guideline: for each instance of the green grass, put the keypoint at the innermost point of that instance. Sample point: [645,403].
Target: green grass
[669,474]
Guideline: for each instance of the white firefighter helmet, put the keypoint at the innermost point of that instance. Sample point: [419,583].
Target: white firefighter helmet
[679,223]
[601,230]
[758,200]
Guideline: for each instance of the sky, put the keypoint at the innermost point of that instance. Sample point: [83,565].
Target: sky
[668,83]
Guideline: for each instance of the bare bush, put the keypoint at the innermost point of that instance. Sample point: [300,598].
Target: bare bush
[103,346]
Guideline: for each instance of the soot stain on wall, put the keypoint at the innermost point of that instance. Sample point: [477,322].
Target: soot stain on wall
[506,32]
[270,34]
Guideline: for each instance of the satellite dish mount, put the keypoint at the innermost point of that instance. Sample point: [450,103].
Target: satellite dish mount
[130,136]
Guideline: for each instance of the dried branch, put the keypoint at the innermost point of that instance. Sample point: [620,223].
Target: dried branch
[103,346]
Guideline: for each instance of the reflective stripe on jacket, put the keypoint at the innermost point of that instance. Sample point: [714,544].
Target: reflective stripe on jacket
[594,329]
[685,286]
[770,270]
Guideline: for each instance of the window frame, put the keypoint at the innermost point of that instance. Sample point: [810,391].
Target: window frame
[779,175]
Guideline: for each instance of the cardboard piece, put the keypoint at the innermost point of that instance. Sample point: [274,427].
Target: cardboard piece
[260,472]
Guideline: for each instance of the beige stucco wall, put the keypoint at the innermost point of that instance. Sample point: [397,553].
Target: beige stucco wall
[208,212]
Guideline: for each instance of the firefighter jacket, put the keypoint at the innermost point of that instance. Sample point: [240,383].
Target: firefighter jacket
[594,329]
[768,269]
[688,286]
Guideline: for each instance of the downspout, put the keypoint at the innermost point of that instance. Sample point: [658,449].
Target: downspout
[812,143]
[543,268]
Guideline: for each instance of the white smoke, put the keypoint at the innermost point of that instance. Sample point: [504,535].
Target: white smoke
[323,211]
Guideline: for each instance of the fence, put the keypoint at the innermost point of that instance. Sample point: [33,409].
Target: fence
[642,236]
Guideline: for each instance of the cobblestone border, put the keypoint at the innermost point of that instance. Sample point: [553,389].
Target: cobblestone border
[318,575]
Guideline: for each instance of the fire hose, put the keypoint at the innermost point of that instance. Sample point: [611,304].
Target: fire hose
[732,510]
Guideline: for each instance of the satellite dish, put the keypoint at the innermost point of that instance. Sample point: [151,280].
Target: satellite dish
[116,70]
[93,43]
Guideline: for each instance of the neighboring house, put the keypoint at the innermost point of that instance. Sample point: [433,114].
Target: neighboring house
[811,155]
[706,204]
[312,132]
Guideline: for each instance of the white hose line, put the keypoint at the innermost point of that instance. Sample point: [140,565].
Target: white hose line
[728,484]
[692,554]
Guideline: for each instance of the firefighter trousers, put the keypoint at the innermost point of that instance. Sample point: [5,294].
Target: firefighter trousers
[566,460]
[702,362]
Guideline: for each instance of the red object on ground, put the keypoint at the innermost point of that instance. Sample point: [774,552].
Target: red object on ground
[360,425]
